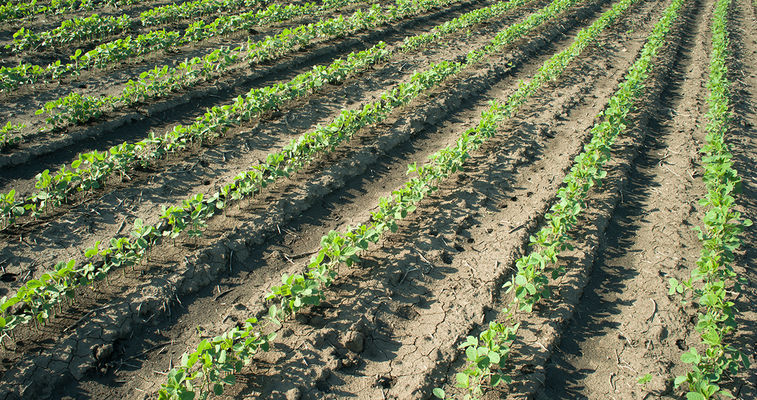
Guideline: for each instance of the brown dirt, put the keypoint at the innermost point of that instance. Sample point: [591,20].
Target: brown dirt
[390,326]
[625,324]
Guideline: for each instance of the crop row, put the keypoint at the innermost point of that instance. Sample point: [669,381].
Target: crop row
[713,282]
[52,288]
[160,81]
[70,31]
[192,9]
[9,135]
[487,354]
[93,168]
[106,54]
[213,363]
[94,26]
[11,11]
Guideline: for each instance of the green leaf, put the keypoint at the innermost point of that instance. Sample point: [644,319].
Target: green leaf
[471,353]
[691,357]
[439,393]
[187,396]
[494,357]
[496,380]
[218,389]
[695,396]
[644,379]
[463,380]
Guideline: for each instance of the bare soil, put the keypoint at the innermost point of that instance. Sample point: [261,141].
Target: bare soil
[391,324]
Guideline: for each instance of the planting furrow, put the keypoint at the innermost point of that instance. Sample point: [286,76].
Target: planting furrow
[240,83]
[86,32]
[231,87]
[24,101]
[140,81]
[11,11]
[220,165]
[135,303]
[215,361]
[541,326]
[198,57]
[713,283]
[625,309]
[385,328]
[224,121]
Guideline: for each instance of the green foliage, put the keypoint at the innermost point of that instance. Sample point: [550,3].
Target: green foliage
[77,109]
[530,283]
[300,290]
[159,81]
[12,11]
[71,30]
[9,135]
[713,280]
[193,9]
[644,379]
[90,170]
[130,46]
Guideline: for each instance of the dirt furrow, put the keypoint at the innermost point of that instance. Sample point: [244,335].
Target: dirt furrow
[347,207]
[42,22]
[541,331]
[338,210]
[47,24]
[626,325]
[412,304]
[355,302]
[148,293]
[207,168]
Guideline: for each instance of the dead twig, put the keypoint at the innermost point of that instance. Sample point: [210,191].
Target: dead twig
[654,310]
[423,258]
[224,293]
[405,275]
[123,223]
[670,170]
[517,227]
[157,346]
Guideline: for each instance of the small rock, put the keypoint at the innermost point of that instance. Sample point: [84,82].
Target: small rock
[355,341]
[293,394]
[103,352]
[334,364]
[349,362]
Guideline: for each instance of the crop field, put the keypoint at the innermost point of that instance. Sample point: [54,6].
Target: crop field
[378,199]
